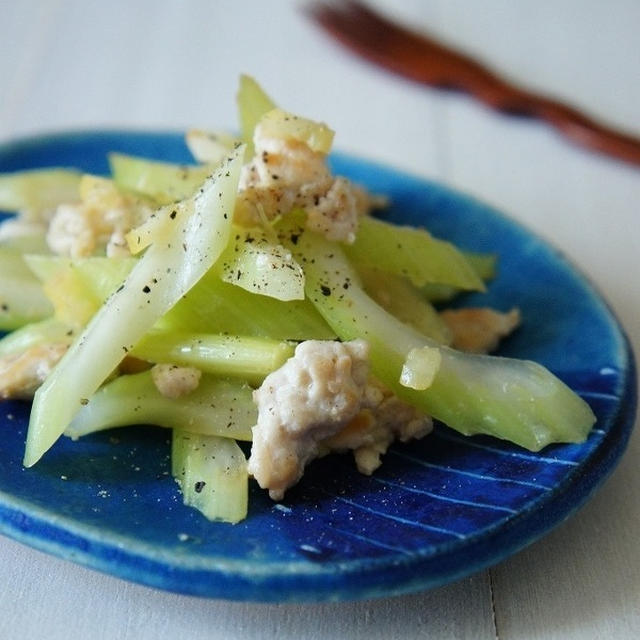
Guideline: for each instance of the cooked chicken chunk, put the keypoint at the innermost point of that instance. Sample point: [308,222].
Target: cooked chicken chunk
[320,400]
[287,174]
[173,381]
[479,330]
[22,373]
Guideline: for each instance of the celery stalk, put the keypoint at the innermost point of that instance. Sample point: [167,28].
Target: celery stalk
[400,298]
[413,253]
[216,407]
[162,181]
[184,250]
[37,192]
[254,263]
[253,103]
[238,356]
[511,399]
[212,474]
[35,333]
[22,299]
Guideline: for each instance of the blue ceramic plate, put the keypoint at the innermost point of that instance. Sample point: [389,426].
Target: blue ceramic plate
[436,511]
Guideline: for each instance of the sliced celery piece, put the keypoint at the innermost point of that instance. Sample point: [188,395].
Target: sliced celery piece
[162,181]
[511,399]
[212,474]
[406,302]
[412,253]
[253,262]
[281,124]
[36,333]
[215,407]
[77,287]
[238,356]
[22,299]
[253,103]
[214,306]
[484,265]
[209,147]
[184,250]
[39,191]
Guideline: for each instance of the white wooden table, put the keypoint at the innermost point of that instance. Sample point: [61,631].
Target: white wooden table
[164,63]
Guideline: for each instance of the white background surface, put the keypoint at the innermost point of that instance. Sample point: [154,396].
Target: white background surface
[73,64]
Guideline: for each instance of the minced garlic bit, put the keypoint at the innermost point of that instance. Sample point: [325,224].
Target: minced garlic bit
[479,330]
[173,381]
[322,399]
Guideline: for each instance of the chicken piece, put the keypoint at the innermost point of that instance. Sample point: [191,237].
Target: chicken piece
[173,381]
[22,373]
[374,429]
[479,330]
[308,399]
[286,175]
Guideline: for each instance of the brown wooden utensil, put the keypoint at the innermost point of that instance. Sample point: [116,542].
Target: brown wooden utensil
[420,58]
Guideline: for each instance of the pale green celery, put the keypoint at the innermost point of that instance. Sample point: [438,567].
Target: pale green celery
[213,306]
[185,248]
[511,399]
[45,331]
[406,302]
[412,253]
[24,237]
[484,265]
[288,126]
[78,287]
[22,299]
[253,103]
[237,356]
[37,192]
[210,147]
[163,181]
[215,407]
[251,261]
[212,474]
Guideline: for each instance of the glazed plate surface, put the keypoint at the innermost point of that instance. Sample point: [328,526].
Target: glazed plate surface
[436,510]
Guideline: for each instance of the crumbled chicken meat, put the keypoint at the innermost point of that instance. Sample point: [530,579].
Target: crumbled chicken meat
[22,373]
[78,230]
[309,398]
[287,174]
[373,429]
[479,330]
[323,399]
[173,381]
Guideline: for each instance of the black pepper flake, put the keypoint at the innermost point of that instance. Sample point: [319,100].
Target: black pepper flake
[4,306]
[173,214]
[146,289]
[199,486]
[295,237]
[326,291]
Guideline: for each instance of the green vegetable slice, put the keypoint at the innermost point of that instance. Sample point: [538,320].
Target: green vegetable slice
[163,181]
[412,253]
[22,299]
[215,407]
[253,103]
[185,248]
[39,191]
[212,474]
[243,357]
